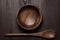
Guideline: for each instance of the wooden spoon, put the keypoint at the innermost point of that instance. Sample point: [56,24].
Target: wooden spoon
[45,34]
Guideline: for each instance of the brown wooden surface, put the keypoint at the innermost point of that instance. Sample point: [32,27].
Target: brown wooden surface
[8,9]
[48,34]
[29,17]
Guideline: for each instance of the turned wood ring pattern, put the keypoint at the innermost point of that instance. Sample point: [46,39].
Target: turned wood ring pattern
[29,17]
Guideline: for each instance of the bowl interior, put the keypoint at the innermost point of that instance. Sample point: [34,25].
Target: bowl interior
[29,17]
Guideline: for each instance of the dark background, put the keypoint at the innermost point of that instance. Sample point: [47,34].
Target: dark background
[8,11]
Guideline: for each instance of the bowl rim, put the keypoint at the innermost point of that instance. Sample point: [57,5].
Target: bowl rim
[40,20]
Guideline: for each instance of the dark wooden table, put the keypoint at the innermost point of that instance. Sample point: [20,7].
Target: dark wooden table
[8,11]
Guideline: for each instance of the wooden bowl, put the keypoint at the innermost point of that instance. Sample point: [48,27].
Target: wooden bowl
[29,17]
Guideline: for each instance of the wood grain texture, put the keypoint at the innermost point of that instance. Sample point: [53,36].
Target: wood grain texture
[48,34]
[29,17]
[8,9]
